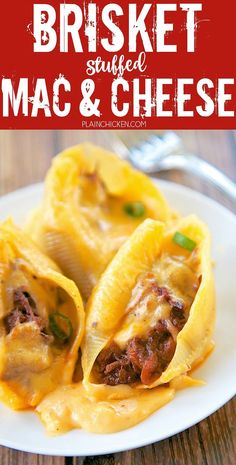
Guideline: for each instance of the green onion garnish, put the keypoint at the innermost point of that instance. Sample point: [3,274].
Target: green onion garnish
[184,241]
[56,321]
[134,209]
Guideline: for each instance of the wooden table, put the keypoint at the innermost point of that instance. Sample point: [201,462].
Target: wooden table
[24,159]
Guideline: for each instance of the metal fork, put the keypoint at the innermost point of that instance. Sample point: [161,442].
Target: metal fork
[165,151]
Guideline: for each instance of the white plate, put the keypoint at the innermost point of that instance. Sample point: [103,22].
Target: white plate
[24,431]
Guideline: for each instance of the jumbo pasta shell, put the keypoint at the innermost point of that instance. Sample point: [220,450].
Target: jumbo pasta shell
[41,321]
[83,222]
[176,275]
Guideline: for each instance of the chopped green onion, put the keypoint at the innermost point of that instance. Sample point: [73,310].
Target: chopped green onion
[56,320]
[134,209]
[184,241]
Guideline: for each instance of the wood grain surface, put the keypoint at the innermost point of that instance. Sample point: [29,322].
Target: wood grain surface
[24,159]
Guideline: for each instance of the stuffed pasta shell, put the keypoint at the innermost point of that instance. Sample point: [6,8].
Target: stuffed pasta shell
[93,202]
[151,316]
[41,321]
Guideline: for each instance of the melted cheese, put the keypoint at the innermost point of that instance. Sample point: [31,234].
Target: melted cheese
[10,398]
[145,308]
[104,213]
[71,407]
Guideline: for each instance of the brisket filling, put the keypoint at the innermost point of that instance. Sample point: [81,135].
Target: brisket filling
[144,358]
[24,311]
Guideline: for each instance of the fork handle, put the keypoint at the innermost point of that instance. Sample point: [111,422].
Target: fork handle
[194,165]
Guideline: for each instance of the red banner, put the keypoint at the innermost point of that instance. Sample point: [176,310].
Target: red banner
[91,65]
